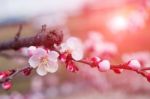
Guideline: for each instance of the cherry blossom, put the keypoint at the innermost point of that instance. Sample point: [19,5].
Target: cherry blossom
[74,47]
[44,61]
[93,37]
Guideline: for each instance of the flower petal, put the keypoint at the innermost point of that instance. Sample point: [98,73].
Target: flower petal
[40,52]
[63,47]
[76,46]
[51,67]
[31,50]
[34,61]
[41,70]
[53,56]
[77,55]
[72,42]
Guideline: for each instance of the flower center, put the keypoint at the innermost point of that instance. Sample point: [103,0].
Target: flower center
[69,51]
[44,60]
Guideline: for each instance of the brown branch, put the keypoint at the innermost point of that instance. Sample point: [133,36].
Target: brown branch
[47,40]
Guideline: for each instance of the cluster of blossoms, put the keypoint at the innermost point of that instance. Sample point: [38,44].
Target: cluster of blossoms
[69,52]
[47,60]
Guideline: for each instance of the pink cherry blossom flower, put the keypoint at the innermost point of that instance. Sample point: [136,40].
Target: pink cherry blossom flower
[44,61]
[74,47]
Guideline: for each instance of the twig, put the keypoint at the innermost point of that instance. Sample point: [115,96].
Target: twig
[14,72]
[122,66]
[18,33]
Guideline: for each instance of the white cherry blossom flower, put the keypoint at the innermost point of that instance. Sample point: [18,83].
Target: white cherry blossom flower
[73,46]
[44,61]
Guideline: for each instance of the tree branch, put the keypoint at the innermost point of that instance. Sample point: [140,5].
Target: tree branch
[47,40]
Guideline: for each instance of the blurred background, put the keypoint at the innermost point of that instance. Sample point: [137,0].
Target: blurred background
[118,30]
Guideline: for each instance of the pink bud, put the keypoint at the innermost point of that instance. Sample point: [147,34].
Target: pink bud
[6,85]
[134,64]
[104,65]
[3,75]
[27,71]
[63,57]
[95,61]
[71,67]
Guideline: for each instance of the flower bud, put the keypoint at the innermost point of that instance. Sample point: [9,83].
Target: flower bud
[104,65]
[63,57]
[71,67]
[95,61]
[6,85]
[2,75]
[27,71]
[134,64]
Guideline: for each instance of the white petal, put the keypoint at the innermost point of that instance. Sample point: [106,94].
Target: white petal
[74,43]
[52,67]
[53,56]
[31,50]
[77,55]
[24,51]
[63,47]
[41,70]
[76,46]
[40,52]
[34,61]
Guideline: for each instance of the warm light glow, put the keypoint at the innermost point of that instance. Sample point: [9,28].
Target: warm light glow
[118,23]
[125,21]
